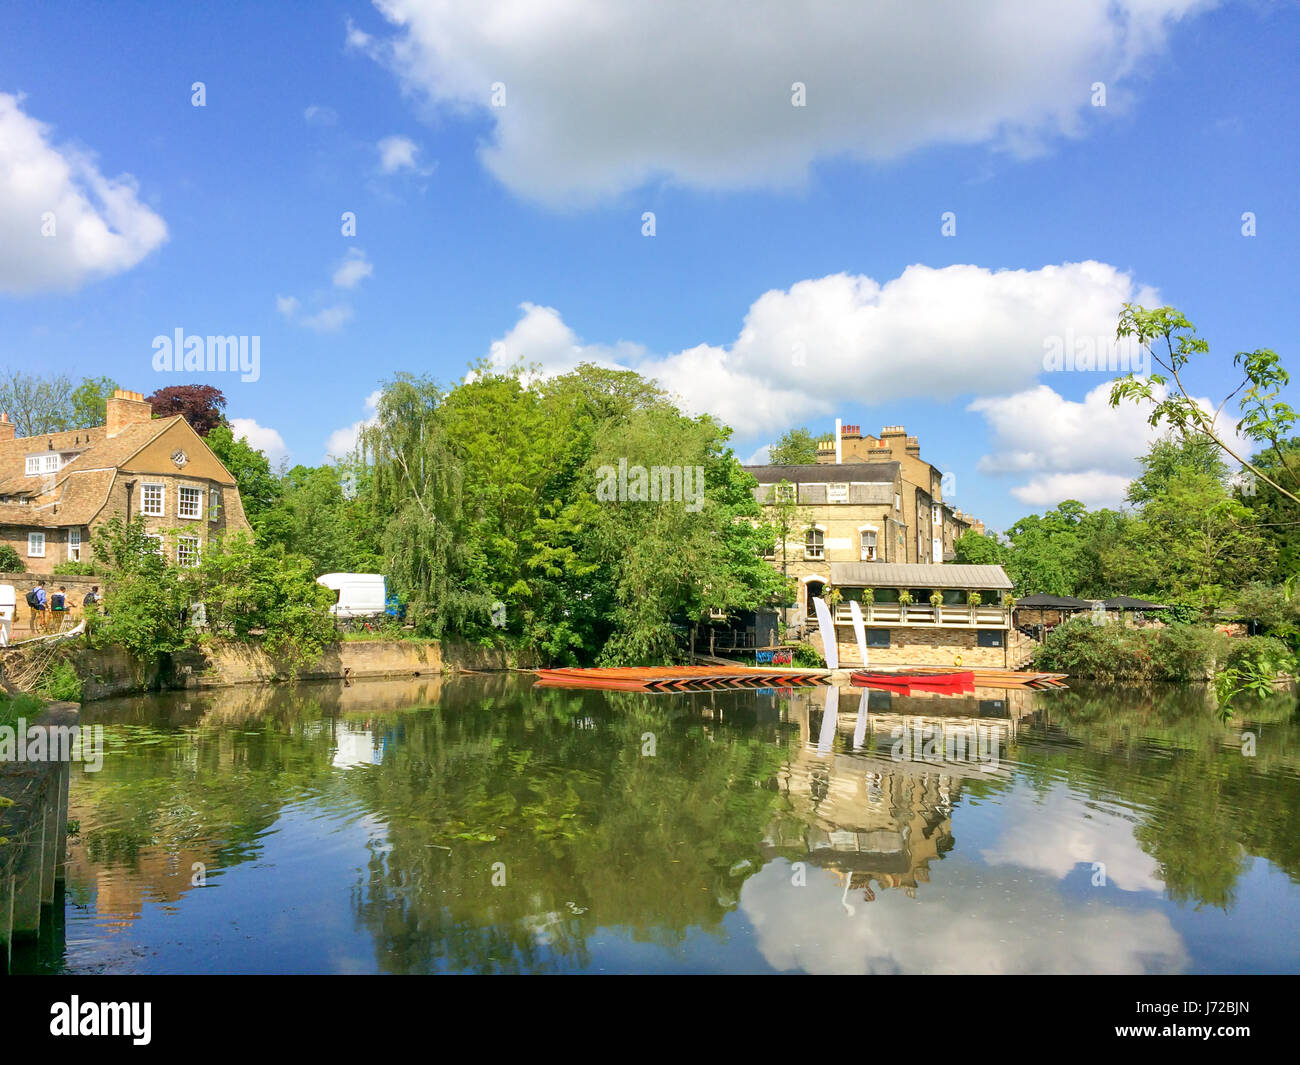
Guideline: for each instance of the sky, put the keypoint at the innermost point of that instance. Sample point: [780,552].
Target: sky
[891,212]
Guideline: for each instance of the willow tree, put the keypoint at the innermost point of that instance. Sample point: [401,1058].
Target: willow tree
[417,480]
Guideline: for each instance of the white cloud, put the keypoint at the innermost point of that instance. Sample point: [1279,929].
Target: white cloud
[342,441]
[353,269]
[320,115]
[262,437]
[287,305]
[1073,449]
[328,319]
[805,352]
[400,153]
[100,227]
[601,98]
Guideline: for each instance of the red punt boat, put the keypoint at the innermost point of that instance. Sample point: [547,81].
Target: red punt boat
[956,681]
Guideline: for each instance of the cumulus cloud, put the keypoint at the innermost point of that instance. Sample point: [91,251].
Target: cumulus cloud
[353,269]
[399,153]
[262,437]
[803,352]
[328,319]
[320,115]
[287,305]
[1072,449]
[600,98]
[62,221]
[341,442]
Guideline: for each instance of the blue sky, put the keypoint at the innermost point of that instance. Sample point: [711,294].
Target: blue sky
[797,271]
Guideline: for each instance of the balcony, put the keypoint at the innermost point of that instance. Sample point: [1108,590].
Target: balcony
[956,616]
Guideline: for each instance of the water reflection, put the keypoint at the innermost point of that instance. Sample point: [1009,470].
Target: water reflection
[480,824]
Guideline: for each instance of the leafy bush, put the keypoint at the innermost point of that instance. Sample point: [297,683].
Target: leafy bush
[1263,655]
[10,560]
[75,569]
[807,657]
[62,683]
[1114,653]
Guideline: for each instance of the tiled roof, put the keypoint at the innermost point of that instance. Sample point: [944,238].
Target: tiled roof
[76,501]
[104,452]
[918,575]
[826,472]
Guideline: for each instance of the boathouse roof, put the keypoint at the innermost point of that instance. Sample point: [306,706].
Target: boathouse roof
[913,575]
[1053,602]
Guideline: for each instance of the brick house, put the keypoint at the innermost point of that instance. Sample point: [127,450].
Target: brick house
[57,488]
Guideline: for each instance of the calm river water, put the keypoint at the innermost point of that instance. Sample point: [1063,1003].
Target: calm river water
[479,824]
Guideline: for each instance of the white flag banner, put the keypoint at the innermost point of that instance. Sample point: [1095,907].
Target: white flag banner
[860,728]
[830,719]
[829,647]
[859,630]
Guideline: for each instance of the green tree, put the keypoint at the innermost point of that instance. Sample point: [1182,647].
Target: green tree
[1170,340]
[36,404]
[796,447]
[90,401]
[259,489]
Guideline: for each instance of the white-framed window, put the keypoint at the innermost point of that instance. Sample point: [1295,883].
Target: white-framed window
[189,502]
[35,545]
[898,501]
[187,551]
[814,544]
[214,504]
[44,463]
[937,514]
[784,493]
[74,545]
[153,499]
[837,493]
[157,541]
[868,545]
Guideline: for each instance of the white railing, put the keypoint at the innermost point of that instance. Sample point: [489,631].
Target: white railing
[955,615]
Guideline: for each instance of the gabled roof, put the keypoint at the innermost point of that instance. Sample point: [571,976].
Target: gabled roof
[918,575]
[827,473]
[103,452]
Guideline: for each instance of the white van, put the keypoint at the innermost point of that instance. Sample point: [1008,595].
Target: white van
[357,595]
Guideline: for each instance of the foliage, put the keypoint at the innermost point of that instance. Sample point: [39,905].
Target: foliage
[90,401]
[62,683]
[1113,652]
[259,489]
[23,705]
[976,549]
[796,447]
[1171,341]
[10,560]
[145,601]
[806,657]
[248,589]
[74,569]
[201,405]
[36,404]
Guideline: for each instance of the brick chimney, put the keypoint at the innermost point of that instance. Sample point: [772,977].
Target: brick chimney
[126,409]
[7,430]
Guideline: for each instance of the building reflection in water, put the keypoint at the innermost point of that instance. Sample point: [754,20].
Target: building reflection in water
[865,803]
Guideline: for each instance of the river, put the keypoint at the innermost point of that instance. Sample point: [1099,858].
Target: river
[479,824]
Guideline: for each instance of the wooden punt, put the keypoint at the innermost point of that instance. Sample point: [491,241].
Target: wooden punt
[679,678]
[954,681]
[1005,678]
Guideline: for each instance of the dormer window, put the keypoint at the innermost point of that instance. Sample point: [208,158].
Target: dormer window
[46,462]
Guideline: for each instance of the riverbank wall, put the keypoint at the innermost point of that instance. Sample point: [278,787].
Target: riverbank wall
[34,831]
[112,671]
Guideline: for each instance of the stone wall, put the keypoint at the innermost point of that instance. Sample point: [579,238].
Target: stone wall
[921,646]
[33,836]
[112,671]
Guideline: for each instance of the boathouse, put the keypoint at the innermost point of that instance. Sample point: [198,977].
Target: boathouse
[924,615]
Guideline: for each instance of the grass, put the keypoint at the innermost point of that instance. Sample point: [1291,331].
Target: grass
[14,707]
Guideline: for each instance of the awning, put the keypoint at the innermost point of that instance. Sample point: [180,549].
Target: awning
[1053,602]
